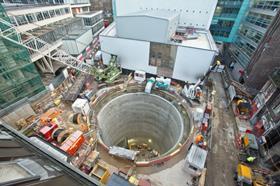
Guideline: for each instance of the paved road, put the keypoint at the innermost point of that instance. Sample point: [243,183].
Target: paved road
[222,159]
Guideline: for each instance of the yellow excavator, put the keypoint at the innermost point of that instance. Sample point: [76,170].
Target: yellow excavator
[246,177]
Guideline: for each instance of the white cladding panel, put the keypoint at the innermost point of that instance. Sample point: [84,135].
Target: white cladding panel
[76,46]
[70,46]
[84,40]
[197,13]
[142,28]
[132,54]
[192,63]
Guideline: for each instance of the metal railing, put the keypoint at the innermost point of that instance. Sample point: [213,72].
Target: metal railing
[35,45]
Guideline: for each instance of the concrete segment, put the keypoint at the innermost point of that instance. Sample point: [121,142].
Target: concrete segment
[141,116]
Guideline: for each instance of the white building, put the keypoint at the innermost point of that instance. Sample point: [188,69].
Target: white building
[156,26]
[79,6]
[93,20]
[50,23]
[29,17]
[145,37]
[77,41]
[197,13]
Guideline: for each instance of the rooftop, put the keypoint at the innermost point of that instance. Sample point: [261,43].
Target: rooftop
[203,41]
[89,14]
[197,157]
[161,14]
[75,34]
[18,6]
[54,26]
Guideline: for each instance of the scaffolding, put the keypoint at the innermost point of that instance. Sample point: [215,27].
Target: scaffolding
[19,78]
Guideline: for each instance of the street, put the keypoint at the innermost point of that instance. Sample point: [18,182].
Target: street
[222,158]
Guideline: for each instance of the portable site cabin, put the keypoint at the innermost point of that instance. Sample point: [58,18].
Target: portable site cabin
[195,160]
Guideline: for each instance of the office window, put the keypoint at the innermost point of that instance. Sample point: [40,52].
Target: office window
[31,18]
[57,12]
[62,11]
[21,20]
[13,21]
[52,13]
[39,16]
[87,22]
[46,14]
[66,10]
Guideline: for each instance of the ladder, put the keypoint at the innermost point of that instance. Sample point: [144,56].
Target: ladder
[36,45]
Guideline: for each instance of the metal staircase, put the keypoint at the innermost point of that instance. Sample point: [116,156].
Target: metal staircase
[37,46]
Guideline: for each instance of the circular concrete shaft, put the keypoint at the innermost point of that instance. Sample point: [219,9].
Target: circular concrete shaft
[143,117]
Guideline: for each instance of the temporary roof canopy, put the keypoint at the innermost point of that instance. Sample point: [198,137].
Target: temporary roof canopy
[197,157]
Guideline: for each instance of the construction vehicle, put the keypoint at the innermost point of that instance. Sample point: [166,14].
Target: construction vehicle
[108,74]
[139,76]
[246,176]
[149,85]
[194,91]
[243,108]
[73,143]
[163,83]
[47,130]
[250,147]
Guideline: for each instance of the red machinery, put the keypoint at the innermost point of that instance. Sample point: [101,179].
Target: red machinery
[73,143]
[47,130]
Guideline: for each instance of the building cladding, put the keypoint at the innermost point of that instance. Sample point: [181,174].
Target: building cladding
[227,19]
[253,28]
[266,57]
[19,78]
[196,13]
[266,118]
[162,24]
[146,37]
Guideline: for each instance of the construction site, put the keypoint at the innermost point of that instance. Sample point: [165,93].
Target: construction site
[145,99]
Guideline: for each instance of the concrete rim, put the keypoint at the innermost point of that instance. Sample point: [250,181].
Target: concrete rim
[181,121]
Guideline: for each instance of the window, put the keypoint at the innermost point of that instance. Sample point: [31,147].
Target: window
[52,13]
[62,11]
[46,14]
[13,21]
[192,167]
[276,106]
[57,12]
[66,10]
[21,20]
[31,18]
[87,22]
[276,109]
[39,16]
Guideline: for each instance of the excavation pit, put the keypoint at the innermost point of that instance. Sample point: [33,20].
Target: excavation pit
[141,121]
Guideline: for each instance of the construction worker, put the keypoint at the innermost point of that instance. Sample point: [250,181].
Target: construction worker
[251,159]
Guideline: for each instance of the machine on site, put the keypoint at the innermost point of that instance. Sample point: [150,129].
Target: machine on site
[149,85]
[243,108]
[246,176]
[81,106]
[108,74]
[162,83]
[194,91]
[73,143]
[139,76]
